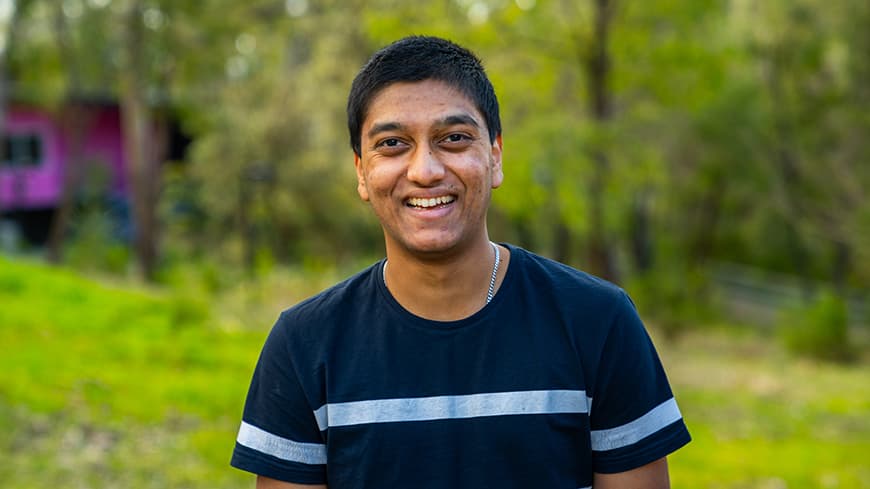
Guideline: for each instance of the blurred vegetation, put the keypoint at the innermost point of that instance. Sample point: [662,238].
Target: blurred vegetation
[735,132]
[819,330]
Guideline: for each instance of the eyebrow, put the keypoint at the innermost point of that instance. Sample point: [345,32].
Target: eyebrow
[450,120]
[383,127]
[459,119]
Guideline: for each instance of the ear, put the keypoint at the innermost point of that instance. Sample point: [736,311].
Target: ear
[497,173]
[360,178]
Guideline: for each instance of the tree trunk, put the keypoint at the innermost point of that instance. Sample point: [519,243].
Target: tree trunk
[18,9]
[706,217]
[562,242]
[597,67]
[73,124]
[4,78]
[641,239]
[525,236]
[143,164]
[789,180]
[4,89]
[244,221]
[841,267]
[74,121]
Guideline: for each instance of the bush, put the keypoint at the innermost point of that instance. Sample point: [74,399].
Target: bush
[92,246]
[676,299]
[188,309]
[819,330]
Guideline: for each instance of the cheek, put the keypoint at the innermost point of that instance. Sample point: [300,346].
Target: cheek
[377,180]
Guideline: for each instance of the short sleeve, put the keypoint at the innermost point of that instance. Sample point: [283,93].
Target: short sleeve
[634,417]
[279,436]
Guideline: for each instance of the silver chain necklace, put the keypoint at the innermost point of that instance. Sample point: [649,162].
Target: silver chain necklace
[491,290]
[489,293]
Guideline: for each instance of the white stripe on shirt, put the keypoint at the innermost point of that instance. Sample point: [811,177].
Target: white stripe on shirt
[621,436]
[451,407]
[283,448]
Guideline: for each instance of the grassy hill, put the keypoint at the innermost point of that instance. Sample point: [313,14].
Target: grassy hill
[112,385]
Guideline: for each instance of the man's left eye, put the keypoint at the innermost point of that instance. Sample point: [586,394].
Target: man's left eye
[455,138]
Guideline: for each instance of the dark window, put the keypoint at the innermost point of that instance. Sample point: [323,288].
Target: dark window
[21,150]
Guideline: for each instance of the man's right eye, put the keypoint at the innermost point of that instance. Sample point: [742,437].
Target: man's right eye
[391,143]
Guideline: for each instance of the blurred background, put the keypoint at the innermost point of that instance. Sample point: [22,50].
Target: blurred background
[173,173]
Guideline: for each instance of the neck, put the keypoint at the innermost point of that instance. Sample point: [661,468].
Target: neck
[446,288]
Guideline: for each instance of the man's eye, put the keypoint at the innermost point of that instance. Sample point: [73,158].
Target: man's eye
[390,142]
[456,140]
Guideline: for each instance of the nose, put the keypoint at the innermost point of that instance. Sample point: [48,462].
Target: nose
[425,168]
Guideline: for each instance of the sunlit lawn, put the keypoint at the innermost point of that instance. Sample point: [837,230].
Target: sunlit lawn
[762,419]
[113,386]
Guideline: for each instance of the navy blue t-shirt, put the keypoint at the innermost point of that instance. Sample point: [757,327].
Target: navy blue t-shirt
[553,380]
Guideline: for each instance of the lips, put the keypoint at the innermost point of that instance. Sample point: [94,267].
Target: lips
[427,203]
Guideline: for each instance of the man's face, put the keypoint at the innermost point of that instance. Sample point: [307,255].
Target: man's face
[427,167]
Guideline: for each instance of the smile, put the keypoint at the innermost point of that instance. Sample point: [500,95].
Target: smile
[431,202]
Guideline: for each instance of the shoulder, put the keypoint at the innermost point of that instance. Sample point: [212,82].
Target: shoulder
[315,316]
[566,285]
[584,309]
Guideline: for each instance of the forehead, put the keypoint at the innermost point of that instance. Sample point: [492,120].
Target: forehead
[409,102]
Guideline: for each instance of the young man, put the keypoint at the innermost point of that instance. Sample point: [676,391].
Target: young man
[455,362]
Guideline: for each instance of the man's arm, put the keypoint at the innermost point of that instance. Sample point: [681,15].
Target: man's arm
[651,476]
[267,483]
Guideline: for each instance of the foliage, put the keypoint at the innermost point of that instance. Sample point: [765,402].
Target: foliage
[819,330]
[736,133]
[97,235]
[676,300]
[93,246]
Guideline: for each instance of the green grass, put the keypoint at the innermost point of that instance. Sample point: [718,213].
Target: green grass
[109,386]
[114,385]
[763,419]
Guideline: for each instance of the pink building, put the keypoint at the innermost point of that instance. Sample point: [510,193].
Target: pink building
[38,149]
[41,149]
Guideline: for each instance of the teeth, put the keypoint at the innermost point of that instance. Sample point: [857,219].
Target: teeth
[425,203]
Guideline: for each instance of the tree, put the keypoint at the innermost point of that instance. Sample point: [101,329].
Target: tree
[597,69]
[143,159]
[275,123]
[73,122]
[665,134]
[8,35]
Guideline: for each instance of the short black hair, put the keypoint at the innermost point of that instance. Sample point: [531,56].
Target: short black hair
[419,58]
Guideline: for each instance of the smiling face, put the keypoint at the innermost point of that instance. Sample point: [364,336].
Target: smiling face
[427,167]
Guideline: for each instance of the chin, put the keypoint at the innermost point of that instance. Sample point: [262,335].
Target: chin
[434,247]
[425,245]
[431,248]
